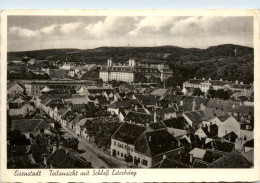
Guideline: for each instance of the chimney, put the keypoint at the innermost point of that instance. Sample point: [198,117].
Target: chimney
[150,138]
[221,79]
[181,103]
[191,158]
[164,156]
[241,82]
[203,78]
[54,147]
[236,81]
[209,79]
[135,107]
[209,128]
[194,77]
[155,116]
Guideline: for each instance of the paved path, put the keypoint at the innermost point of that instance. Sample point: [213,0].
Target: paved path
[96,156]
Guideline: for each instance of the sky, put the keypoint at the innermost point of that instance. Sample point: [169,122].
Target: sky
[83,32]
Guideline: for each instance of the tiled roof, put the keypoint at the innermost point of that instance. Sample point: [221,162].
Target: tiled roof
[63,158]
[198,153]
[223,146]
[82,122]
[29,125]
[78,100]
[147,99]
[249,143]
[124,104]
[128,133]
[223,118]
[173,98]
[165,111]
[231,160]
[64,110]
[169,163]
[213,130]
[138,117]
[225,105]
[160,141]
[76,119]
[159,92]
[194,117]
[210,113]
[46,101]
[231,136]
[178,123]
[244,109]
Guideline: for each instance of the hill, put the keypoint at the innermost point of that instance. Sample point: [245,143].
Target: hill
[230,62]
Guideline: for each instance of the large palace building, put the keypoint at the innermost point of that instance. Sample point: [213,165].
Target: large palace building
[126,72]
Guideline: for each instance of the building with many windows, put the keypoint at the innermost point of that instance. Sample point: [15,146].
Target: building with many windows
[126,72]
[205,84]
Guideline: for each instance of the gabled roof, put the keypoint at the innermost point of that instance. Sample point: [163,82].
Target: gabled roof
[249,143]
[213,130]
[123,104]
[159,92]
[18,100]
[156,142]
[198,153]
[224,105]
[244,109]
[147,99]
[194,117]
[163,111]
[223,146]
[128,133]
[138,117]
[230,136]
[46,101]
[76,119]
[223,118]
[64,158]
[173,98]
[178,123]
[29,125]
[232,160]
[82,122]
[210,113]
[13,84]
[64,110]
[169,163]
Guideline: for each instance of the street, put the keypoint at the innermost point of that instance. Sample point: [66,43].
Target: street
[97,157]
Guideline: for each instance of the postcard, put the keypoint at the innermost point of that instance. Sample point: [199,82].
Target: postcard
[130,95]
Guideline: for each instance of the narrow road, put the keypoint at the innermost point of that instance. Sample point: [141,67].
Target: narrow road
[96,156]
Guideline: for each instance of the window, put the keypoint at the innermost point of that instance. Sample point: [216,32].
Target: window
[117,152]
[122,154]
[226,132]
[245,137]
[145,162]
[118,145]
[115,143]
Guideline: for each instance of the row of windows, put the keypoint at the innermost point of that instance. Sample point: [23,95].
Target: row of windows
[136,160]
[123,146]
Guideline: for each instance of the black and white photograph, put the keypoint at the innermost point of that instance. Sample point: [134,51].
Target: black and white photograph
[129,92]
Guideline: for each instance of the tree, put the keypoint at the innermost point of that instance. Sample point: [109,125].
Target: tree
[211,92]
[100,82]
[144,80]
[222,94]
[138,77]
[197,92]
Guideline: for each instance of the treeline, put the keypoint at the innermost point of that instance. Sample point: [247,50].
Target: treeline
[27,75]
[229,69]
